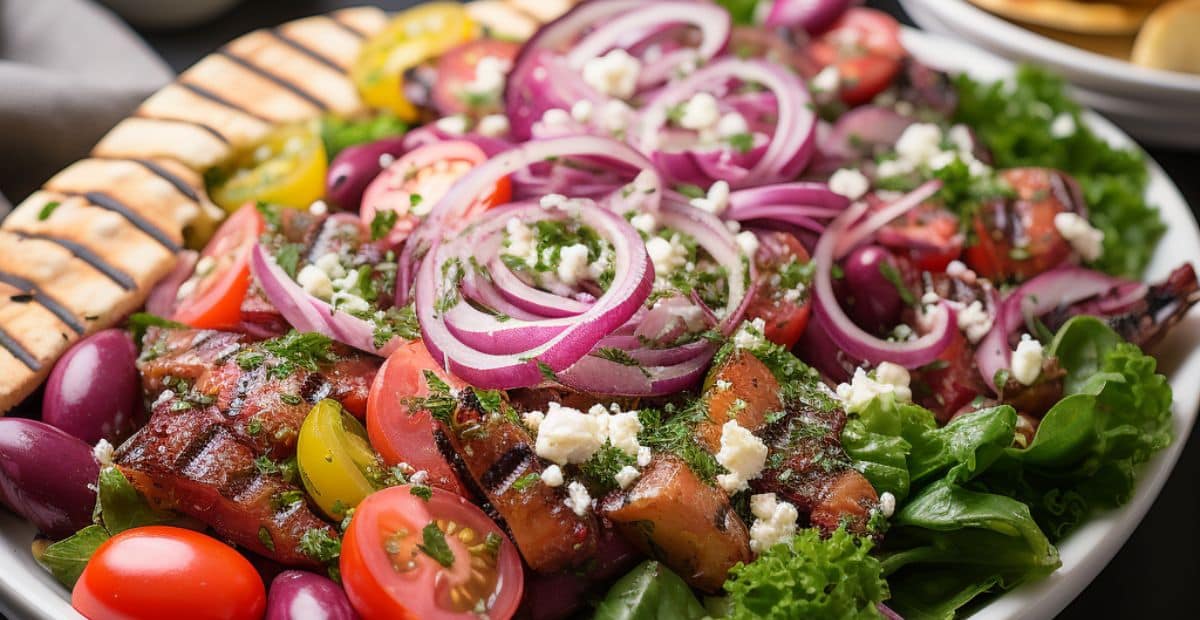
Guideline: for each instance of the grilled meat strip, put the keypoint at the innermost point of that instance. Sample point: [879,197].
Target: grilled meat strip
[494,452]
[220,405]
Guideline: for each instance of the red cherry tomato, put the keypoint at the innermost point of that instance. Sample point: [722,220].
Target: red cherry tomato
[399,434]
[389,572]
[784,319]
[928,237]
[457,68]
[1017,239]
[413,184]
[150,573]
[951,382]
[864,45]
[215,298]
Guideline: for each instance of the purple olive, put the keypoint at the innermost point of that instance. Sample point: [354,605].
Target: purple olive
[94,391]
[355,167]
[870,298]
[47,476]
[298,595]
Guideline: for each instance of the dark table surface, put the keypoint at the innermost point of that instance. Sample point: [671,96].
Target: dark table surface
[1153,575]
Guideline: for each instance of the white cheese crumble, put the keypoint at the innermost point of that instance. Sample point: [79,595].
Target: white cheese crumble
[644,454]
[615,74]
[626,476]
[889,379]
[747,242]
[555,117]
[1027,360]
[320,207]
[552,476]
[573,264]
[749,335]
[568,435]
[921,145]
[578,499]
[723,385]
[454,125]
[774,522]
[827,80]
[732,124]
[385,160]
[615,116]
[490,74]
[623,429]
[533,420]
[521,241]
[960,137]
[581,111]
[850,183]
[743,454]
[1063,126]
[645,222]
[493,126]
[974,321]
[700,112]
[887,504]
[419,478]
[315,282]
[920,142]
[667,255]
[103,451]
[1087,240]
[715,201]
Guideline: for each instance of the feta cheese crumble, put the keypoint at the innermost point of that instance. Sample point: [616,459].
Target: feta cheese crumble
[774,522]
[578,499]
[715,201]
[568,435]
[850,183]
[1063,126]
[747,242]
[667,255]
[626,476]
[750,335]
[315,282]
[644,455]
[103,451]
[1027,360]
[889,379]
[493,125]
[974,321]
[533,420]
[645,222]
[581,111]
[615,74]
[700,112]
[453,125]
[552,476]
[1087,240]
[573,264]
[828,80]
[743,454]
[887,504]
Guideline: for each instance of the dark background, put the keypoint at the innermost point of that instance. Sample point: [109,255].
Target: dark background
[1155,574]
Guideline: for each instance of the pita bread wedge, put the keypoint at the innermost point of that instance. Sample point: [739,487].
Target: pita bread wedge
[84,252]
[1096,18]
[1170,40]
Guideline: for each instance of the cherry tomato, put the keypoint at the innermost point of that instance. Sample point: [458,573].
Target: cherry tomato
[1017,239]
[212,297]
[334,457]
[928,237]
[399,434]
[413,184]
[784,318]
[411,38]
[285,168]
[949,383]
[392,567]
[149,573]
[864,45]
[457,68]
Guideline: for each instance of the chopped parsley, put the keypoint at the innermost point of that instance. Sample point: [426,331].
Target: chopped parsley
[320,546]
[288,258]
[892,275]
[434,545]
[619,356]
[601,469]
[290,399]
[395,322]
[421,491]
[673,430]
[264,537]
[298,351]
[492,542]
[48,210]
[741,142]
[526,481]
[382,223]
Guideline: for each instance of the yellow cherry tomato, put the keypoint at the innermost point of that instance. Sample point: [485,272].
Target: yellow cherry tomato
[286,168]
[334,458]
[411,38]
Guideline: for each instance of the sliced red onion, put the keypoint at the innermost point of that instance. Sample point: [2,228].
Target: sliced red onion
[430,134]
[1046,292]
[880,218]
[714,237]
[790,146]
[804,205]
[600,376]
[309,314]
[165,295]
[850,337]
[814,16]
[864,128]
[531,299]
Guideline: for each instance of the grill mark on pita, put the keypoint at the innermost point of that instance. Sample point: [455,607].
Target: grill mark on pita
[279,81]
[283,38]
[119,277]
[104,201]
[335,18]
[19,351]
[204,93]
[45,300]
[183,121]
[187,190]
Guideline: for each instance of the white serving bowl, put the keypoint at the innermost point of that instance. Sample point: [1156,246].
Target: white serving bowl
[28,592]
[1159,107]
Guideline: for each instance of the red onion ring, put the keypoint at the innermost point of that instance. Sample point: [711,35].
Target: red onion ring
[813,16]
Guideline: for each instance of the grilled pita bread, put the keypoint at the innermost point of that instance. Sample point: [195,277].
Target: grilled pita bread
[1084,17]
[84,252]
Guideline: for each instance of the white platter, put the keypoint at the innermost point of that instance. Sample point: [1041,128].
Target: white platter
[28,592]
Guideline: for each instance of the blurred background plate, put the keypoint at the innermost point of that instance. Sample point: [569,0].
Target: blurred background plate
[1157,107]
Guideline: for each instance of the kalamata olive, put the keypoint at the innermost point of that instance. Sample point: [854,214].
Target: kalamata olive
[299,595]
[355,167]
[870,298]
[47,476]
[94,391]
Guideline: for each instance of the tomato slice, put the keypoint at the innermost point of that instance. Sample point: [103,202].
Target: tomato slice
[212,297]
[411,38]
[333,455]
[285,168]
[413,184]
[864,45]
[402,435]
[168,572]
[927,237]
[951,382]
[457,70]
[1017,239]
[394,564]
[784,318]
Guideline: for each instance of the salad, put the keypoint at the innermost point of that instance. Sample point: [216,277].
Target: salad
[674,310]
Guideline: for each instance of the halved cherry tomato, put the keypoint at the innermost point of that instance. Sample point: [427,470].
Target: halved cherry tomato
[149,573]
[457,68]
[1017,239]
[927,237]
[864,45]
[212,297]
[949,383]
[413,184]
[333,455]
[402,435]
[411,38]
[285,168]
[784,319]
[390,569]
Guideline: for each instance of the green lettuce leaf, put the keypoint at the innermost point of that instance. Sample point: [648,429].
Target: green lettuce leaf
[339,133]
[649,592]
